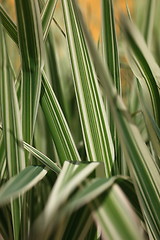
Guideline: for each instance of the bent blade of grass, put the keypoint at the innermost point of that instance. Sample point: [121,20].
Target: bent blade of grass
[12,130]
[57,124]
[21,183]
[111,57]
[31,51]
[93,189]
[71,176]
[43,158]
[96,132]
[141,165]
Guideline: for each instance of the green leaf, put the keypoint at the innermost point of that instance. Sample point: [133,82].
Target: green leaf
[152,128]
[71,176]
[9,25]
[115,217]
[141,165]
[31,51]
[2,157]
[47,16]
[144,67]
[109,41]
[21,183]
[57,124]
[12,130]
[149,21]
[111,57]
[43,158]
[96,132]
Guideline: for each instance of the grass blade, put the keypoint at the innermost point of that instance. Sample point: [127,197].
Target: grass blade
[96,133]
[71,176]
[142,167]
[147,71]
[12,130]
[112,214]
[47,16]
[111,57]
[31,50]
[57,124]
[43,158]
[8,24]
[65,147]
[21,183]
[149,21]
[109,41]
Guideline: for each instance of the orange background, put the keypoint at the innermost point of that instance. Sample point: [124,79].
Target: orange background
[91,10]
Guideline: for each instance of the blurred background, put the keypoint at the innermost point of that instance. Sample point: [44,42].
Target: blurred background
[91,10]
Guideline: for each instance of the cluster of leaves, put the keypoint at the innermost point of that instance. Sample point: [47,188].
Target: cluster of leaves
[98,175]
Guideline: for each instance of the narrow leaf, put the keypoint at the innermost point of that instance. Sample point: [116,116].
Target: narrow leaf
[96,133]
[70,178]
[12,128]
[8,24]
[31,50]
[43,158]
[145,68]
[21,183]
[57,124]
[142,167]
[111,57]
[111,214]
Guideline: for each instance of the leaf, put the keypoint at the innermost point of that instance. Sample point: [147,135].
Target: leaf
[43,158]
[8,24]
[12,128]
[111,214]
[31,51]
[145,68]
[96,132]
[21,183]
[141,165]
[71,176]
[47,16]
[149,21]
[57,124]
[109,41]
[66,149]
[111,58]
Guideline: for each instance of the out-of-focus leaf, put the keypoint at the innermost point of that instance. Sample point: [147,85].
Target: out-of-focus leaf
[71,176]
[21,183]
